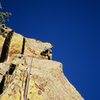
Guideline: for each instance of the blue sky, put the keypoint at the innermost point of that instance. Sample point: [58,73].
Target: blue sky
[73,27]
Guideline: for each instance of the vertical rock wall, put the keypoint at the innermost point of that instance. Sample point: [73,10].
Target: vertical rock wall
[27,71]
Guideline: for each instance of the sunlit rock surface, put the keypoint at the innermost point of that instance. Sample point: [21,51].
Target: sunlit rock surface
[27,71]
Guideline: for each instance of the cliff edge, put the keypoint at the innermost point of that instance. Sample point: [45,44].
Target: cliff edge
[27,71]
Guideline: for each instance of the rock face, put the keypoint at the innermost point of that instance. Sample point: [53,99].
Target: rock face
[27,71]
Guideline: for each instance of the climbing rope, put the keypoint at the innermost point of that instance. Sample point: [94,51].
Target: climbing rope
[27,80]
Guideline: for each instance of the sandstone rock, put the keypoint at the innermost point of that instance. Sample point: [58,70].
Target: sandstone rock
[21,45]
[28,72]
